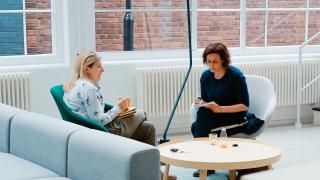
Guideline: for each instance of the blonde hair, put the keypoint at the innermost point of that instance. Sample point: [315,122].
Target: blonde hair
[86,59]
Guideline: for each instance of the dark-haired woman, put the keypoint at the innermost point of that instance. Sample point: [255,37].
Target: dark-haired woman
[224,86]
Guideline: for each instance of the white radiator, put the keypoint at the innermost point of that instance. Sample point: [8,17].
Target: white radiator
[15,89]
[157,88]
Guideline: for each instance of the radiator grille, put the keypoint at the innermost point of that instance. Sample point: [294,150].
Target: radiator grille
[15,90]
[158,87]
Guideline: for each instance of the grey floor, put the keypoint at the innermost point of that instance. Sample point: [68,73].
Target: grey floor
[298,145]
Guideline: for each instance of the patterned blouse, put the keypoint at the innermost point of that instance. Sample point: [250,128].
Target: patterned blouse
[86,100]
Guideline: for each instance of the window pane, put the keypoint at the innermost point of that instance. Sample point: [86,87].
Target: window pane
[219,4]
[11,5]
[11,34]
[39,34]
[219,27]
[152,30]
[110,4]
[314,3]
[38,4]
[286,28]
[255,28]
[256,3]
[168,4]
[314,26]
[287,3]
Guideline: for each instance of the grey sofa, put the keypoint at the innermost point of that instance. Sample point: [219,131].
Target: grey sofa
[305,171]
[35,146]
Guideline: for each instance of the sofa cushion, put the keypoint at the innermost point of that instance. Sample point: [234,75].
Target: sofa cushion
[306,171]
[6,113]
[98,155]
[13,167]
[42,140]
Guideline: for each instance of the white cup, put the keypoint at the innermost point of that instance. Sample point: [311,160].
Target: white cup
[213,138]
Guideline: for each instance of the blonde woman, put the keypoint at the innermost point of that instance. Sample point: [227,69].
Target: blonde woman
[83,96]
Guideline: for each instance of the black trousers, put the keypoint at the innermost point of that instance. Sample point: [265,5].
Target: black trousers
[207,120]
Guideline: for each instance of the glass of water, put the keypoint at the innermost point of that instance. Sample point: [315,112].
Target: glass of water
[213,138]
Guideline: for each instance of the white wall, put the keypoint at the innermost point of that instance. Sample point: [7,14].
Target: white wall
[119,77]
[118,80]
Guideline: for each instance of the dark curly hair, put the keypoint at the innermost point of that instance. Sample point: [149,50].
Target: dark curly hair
[217,48]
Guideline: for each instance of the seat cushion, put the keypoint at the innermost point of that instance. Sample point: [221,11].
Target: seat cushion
[42,140]
[13,167]
[6,113]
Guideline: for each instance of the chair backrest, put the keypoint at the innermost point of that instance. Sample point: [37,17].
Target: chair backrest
[262,96]
[262,99]
[68,115]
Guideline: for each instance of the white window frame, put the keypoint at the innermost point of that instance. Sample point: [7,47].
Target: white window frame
[182,54]
[58,45]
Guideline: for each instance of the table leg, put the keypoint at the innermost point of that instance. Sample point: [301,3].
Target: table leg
[203,174]
[232,174]
[166,172]
[269,167]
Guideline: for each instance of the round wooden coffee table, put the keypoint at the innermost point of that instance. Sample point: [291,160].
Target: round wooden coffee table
[199,154]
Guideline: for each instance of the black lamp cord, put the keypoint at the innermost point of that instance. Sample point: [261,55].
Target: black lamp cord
[164,137]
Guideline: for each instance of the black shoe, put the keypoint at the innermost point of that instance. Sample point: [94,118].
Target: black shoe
[251,170]
[197,173]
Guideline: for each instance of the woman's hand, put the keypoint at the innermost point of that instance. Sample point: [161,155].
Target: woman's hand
[123,103]
[214,107]
[199,101]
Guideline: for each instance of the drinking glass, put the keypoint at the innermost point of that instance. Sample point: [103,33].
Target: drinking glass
[213,138]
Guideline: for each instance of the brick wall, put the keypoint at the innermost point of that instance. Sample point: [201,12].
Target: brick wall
[11,29]
[39,36]
[168,30]
[38,4]
[38,28]
[11,34]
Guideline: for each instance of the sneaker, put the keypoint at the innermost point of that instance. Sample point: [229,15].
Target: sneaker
[197,173]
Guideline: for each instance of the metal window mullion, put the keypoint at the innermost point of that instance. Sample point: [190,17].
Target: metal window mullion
[11,11]
[194,24]
[53,27]
[138,10]
[307,21]
[266,24]
[24,27]
[243,20]
[27,11]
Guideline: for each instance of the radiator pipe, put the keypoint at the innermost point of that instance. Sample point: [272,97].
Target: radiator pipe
[164,137]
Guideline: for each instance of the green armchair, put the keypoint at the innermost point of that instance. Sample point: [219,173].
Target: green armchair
[68,115]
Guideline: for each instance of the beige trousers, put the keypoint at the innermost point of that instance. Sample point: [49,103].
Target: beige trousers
[135,127]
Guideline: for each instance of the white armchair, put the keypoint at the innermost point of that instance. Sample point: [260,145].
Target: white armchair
[262,99]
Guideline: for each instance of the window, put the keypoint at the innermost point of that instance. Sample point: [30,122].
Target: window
[25,27]
[158,24]
[242,24]
[281,23]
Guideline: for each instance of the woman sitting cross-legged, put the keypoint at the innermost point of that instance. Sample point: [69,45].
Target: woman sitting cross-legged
[83,96]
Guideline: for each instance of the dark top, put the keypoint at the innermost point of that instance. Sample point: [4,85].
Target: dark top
[231,89]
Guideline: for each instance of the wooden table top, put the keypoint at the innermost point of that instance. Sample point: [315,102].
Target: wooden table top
[199,154]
